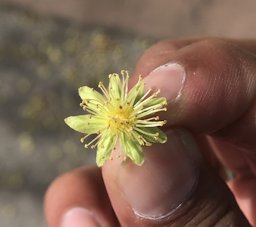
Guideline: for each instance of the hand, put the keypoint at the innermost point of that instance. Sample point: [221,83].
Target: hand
[210,85]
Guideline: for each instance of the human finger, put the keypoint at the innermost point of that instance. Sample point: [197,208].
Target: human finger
[78,198]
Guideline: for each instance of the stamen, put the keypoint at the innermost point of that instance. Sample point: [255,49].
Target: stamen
[83,138]
[142,98]
[99,106]
[137,137]
[147,133]
[95,145]
[141,139]
[152,124]
[145,142]
[89,110]
[104,90]
[138,105]
[148,120]
[92,141]
[143,114]
[150,107]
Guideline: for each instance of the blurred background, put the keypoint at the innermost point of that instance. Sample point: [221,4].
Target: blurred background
[49,48]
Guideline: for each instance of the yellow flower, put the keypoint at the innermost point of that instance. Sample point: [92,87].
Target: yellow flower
[119,115]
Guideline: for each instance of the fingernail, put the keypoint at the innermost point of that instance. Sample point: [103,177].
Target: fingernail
[165,180]
[79,217]
[169,78]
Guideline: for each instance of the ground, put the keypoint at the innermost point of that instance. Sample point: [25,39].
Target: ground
[42,64]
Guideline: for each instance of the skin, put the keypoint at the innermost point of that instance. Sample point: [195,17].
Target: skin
[226,138]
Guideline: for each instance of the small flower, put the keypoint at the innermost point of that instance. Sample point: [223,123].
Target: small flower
[119,115]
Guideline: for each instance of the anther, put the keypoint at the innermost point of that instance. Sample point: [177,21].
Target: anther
[83,138]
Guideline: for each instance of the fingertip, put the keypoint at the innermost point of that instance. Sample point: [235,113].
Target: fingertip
[217,89]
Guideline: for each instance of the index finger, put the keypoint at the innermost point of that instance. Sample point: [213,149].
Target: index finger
[209,84]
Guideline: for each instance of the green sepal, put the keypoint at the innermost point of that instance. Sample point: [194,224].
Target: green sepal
[87,93]
[132,149]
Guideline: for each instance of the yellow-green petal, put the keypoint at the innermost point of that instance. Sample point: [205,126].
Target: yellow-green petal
[136,93]
[105,147]
[132,149]
[90,94]
[114,86]
[85,123]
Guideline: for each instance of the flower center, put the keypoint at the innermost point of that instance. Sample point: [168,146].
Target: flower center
[120,118]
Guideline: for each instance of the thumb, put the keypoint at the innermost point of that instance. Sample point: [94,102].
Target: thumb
[172,188]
